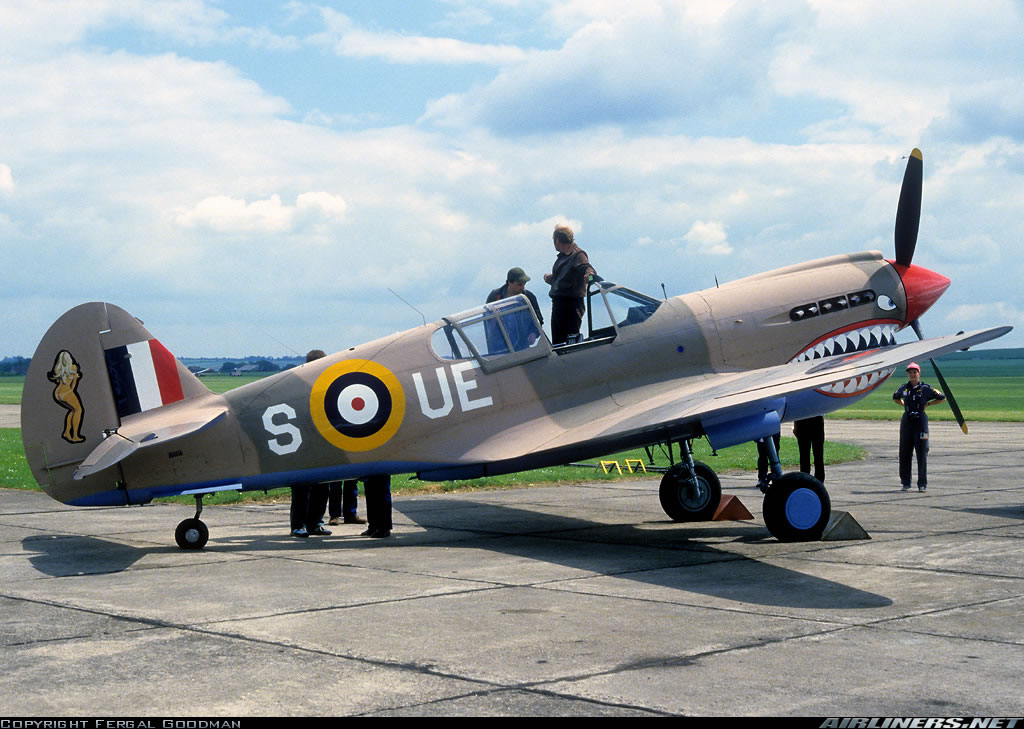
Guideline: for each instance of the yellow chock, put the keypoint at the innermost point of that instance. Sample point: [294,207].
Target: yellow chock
[731,508]
[607,464]
[638,462]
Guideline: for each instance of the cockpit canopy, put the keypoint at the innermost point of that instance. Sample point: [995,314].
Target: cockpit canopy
[507,333]
[616,308]
[498,335]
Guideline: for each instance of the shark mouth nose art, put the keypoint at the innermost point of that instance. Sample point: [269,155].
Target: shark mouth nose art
[860,337]
[857,385]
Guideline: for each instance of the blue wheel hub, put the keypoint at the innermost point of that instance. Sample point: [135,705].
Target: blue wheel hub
[803,509]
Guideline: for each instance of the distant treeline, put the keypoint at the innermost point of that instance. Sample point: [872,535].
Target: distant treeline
[251,364]
[1013,353]
[14,366]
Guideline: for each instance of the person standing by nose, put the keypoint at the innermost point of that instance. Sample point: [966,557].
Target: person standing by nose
[915,396]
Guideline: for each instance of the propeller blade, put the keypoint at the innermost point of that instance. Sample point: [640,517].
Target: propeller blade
[908,213]
[916,325]
[949,397]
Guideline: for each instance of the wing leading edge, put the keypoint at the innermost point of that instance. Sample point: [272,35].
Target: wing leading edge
[737,395]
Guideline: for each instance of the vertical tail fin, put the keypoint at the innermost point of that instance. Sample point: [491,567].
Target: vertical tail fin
[96,365]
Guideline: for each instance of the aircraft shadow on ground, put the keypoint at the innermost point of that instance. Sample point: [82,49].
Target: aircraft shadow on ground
[1013,511]
[64,556]
[702,567]
[617,550]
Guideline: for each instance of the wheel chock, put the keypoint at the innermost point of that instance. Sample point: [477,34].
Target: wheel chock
[630,462]
[842,526]
[731,508]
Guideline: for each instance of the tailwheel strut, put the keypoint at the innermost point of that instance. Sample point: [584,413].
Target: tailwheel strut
[192,533]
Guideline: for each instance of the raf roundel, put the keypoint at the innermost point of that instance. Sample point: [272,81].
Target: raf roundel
[357,405]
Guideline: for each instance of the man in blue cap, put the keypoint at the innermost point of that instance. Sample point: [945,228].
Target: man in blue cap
[915,396]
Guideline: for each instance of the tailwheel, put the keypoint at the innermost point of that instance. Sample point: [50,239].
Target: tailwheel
[797,508]
[690,496]
[191,534]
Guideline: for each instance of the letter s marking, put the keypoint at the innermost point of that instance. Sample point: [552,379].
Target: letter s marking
[278,429]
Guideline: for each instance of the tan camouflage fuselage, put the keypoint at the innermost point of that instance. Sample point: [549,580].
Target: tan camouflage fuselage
[397,405]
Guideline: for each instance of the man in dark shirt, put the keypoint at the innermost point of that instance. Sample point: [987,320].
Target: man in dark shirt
[568,280]
[515,283]
[915,396]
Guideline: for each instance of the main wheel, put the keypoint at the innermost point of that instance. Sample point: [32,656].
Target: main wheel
[683,500]
[191,534]
[797,508]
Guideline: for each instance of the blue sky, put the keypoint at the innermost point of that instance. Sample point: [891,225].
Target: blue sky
[253,177]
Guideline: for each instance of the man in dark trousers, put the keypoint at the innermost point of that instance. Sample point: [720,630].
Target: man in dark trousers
[568,279]
[915,396]
[810,435]
[309,500]
[342,502]
[377,490]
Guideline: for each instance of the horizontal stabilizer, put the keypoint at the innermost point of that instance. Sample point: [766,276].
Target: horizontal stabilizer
[155,427]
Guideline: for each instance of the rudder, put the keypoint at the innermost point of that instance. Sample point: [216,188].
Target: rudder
[94,366]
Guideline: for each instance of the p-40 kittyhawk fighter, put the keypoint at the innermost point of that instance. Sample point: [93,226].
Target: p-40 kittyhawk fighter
[110,417]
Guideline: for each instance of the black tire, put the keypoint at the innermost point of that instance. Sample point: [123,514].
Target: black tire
[191,534]
[682,501]
[797,508]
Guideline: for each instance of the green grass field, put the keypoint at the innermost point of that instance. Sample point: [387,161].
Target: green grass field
[10,390]
[985,390]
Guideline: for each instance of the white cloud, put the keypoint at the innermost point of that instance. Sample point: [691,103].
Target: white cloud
[229,215]
[708,238]
[542,229]
[346,39]
[6,179]
[330,207]
[970,314]
[39,26]
[633,64]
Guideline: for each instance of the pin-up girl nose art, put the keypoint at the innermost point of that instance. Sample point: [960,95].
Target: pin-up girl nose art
[66,374]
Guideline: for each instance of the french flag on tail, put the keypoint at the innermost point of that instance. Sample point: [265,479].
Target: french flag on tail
[143,376]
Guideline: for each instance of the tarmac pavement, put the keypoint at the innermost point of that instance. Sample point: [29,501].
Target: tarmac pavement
[570,601]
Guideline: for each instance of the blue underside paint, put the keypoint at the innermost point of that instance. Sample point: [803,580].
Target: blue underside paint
[262,482]
[803,509]
[734,428]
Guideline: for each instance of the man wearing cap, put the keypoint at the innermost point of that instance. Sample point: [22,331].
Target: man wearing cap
[568,280]
[515,283]
[915,396]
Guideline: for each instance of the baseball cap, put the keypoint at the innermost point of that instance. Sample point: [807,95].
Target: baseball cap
[913,366]
[517,275]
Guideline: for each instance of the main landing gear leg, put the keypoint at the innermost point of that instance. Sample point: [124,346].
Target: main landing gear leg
[690,490]
[796,505]
[192,533]
[766,448]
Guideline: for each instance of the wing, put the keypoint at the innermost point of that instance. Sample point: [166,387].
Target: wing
[731,397]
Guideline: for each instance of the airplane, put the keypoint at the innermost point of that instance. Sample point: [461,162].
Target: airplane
[110,417]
